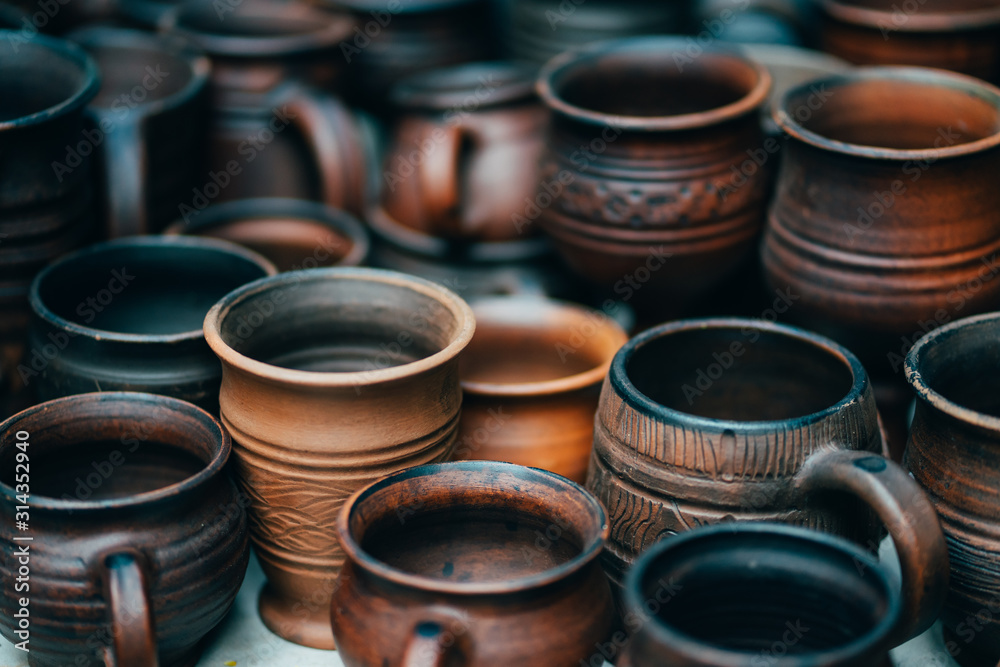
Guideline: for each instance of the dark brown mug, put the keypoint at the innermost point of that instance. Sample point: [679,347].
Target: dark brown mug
[472,563]
[952,453]
[150,121]
[134,536]
[752,595]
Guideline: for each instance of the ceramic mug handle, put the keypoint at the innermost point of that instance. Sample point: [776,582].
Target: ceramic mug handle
[909,516]
[131,613]
[440,176]
[426,647]
[125,174]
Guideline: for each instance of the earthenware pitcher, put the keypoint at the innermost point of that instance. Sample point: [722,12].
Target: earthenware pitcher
[471,564]
[764,594]
[135,538]
[708,421]
[332,379]
[952,453]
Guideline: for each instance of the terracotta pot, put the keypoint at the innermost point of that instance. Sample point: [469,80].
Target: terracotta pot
[277,129]
[895,229]
[292,233]
[465,154]
[125,315]
[474,564]
[734,596]
[332,378]
[648,197]
[706,421]
[952,454]
[44,211]
[134,524]
[150,119]
[959,35]
[530,382]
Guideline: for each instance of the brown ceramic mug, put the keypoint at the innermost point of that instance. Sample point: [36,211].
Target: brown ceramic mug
[531,378]
[471,564]
[331,379]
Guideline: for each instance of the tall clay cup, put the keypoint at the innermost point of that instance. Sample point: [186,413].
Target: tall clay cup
[953,455]
[332,379]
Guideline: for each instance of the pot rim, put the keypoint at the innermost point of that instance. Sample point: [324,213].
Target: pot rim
[622,384]
[42,311]
[88,89]
[923,390]
[866,17]
[448,88]
[646,48]
[210,470]
[927,76]
[712,654]
[591,377]
[356,554]
[460,310]
[262,208]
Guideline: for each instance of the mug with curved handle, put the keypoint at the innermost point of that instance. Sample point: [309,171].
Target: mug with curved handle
[131,613]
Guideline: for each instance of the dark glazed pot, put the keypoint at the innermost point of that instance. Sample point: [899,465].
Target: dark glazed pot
[959,35]
[471,564]
[750,595]
[707,421]
[45,211]
[147,14]
[952,453]
[636,181]
[126,315]
[135,525]
[292,233]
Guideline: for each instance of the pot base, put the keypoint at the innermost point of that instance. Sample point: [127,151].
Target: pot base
[294,621]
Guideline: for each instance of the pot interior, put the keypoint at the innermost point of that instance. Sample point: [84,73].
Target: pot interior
[151,289]
[34,78]
[127,75]
[739,374]
[291,244]
[964,366]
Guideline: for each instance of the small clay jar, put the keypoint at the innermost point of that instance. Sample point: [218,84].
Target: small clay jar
[639,180]
[291,233]
[464,157]
[952,453]
[137,537]
[471,564]
[958,35]
[531,378]
[755,594]
[126,315]
[332,379]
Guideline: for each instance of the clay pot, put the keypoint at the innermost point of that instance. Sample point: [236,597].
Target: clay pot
[530,381]
[542,29]
[959,35]
[45,211]
[650,195]
[277,130]
[150,118]
[465,154]
[291,233]
[332,378]
[126,315]
[445,566]
[148,14]
[767,22]
[734,596]
[706,421]
[885,218]
[952,455]
[134,525]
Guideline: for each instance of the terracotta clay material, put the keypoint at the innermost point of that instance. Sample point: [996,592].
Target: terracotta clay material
[952,453]
[749,594]
[445,566]
[332,379]
[959,35]
[139,538]
[705,421]
[125,315]
[885,222]
[292,233]
[478,131]
[530,381]
[639,171]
